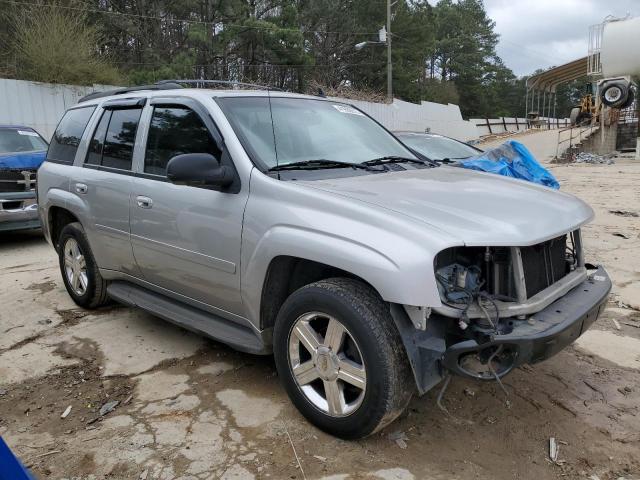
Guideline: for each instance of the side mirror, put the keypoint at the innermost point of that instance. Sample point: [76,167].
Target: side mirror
[199,169]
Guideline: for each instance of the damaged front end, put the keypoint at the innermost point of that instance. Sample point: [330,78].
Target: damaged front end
[506,306]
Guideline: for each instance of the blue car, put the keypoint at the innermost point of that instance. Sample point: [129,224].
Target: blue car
[22,151]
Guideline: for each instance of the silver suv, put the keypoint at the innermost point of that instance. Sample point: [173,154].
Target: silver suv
[299,226]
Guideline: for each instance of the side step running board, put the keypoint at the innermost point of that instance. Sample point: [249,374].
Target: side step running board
[237,336]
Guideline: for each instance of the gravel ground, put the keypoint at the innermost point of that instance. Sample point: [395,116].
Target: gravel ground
[191,408]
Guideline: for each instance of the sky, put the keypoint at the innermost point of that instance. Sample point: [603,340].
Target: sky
[544,33]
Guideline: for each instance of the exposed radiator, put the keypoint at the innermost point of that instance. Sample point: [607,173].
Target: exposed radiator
[544,264]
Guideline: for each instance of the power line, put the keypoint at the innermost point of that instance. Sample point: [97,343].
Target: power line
[184,20]
[251,65]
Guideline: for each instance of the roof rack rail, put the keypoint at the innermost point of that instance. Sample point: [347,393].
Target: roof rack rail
[174,84]
[203,84]
[120,91]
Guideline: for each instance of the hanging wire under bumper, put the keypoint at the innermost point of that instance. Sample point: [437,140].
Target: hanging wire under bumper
[540,336]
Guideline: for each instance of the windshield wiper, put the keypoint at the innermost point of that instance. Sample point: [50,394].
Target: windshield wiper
[398,159]
[451,159]
[318,164]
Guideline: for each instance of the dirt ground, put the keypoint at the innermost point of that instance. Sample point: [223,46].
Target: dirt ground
[191,408]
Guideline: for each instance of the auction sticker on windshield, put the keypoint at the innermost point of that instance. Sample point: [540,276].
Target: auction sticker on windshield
[347,109]
[27,132]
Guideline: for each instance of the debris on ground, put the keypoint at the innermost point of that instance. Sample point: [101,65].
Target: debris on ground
[143,475]
[631,324]
[586,157]
[616,324]
[108,407]
[2,392]
[624,213]
[490,420]
[400,438]
[469,393]
[66,413]
[321,458]
[553,449]
[621,235]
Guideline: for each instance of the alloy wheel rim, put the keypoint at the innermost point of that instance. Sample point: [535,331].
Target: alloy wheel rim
[327,364]
[75,267]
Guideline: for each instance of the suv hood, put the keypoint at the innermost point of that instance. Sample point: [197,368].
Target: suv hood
[22,160]
[476,208]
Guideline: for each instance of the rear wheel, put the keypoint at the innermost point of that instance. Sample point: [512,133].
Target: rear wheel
[340,358]
[79,271]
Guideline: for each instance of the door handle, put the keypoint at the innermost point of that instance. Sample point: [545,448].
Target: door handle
[81,188]
[144,202]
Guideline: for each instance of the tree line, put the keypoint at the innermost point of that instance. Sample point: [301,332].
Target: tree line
[442,53]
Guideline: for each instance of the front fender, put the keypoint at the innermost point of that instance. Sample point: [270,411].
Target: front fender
[392,253]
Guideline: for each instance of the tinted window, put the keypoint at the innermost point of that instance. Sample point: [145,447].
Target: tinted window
[20,140]
[66,139]
[174,131]
[117,151]
[97,141]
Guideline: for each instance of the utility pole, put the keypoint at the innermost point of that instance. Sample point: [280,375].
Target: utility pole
[384,37]
[389,65]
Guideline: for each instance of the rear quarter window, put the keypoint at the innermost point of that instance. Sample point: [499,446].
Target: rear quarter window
[66,138]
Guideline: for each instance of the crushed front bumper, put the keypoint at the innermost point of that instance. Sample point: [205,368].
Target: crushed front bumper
[543,334]
[18,211]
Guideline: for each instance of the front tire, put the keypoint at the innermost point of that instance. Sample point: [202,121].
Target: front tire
[79,271]
[341,359]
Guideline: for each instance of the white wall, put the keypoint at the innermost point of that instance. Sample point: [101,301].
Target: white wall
[38,105]
[41,105]
[426,116]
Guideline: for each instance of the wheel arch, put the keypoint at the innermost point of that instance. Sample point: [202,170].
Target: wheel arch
[403,276]
[286,274]
[57,218]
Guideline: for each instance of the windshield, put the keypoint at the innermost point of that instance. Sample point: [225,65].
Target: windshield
[14,140]
[436,147]
[307,129]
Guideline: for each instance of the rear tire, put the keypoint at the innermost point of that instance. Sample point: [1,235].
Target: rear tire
[365,362]
[79,271]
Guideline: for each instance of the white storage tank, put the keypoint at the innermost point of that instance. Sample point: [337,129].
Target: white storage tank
[620,48]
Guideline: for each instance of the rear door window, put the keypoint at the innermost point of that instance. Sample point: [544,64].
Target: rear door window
[67,136]
[121,136]
[175,130]
[114,138]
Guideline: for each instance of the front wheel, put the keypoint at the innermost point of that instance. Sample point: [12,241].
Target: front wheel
[341,359]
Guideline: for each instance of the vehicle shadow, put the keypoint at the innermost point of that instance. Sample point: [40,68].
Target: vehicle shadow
[21,238]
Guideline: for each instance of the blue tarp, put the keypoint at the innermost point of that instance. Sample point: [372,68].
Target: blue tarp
[10,466]
[512,159]
[26,160]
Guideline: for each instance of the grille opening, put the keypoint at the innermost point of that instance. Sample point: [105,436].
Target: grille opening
[543,265]
[17,181]
[11,205]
